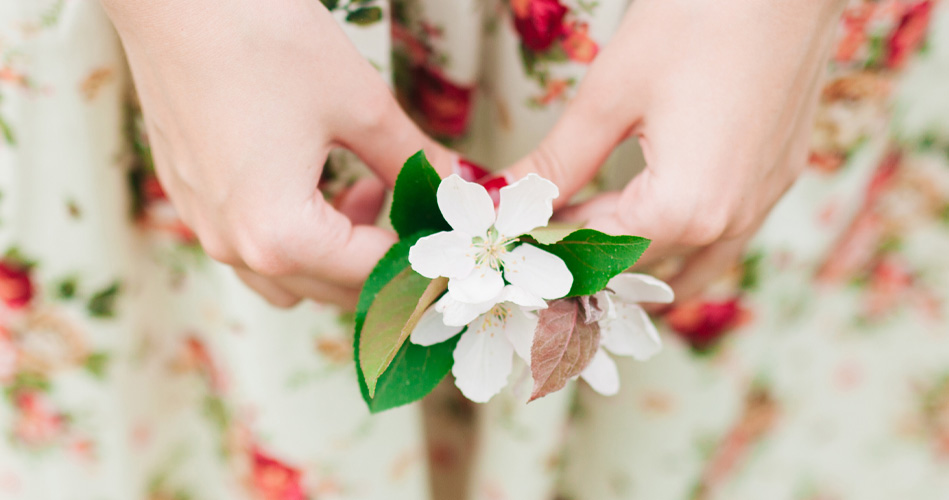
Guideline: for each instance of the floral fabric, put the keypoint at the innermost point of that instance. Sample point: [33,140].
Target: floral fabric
[133,367]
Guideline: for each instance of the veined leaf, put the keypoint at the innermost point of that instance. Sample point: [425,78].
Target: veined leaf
[383,331]
[414,202]
[415,370]
[594,257]
[564,344]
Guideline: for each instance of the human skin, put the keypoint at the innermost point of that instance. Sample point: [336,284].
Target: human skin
[721,95]
[242,104]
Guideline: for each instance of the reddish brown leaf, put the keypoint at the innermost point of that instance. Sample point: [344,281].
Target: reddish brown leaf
[563,345]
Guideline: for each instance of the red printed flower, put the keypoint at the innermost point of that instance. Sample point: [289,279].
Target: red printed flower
[16,289]
[910,33]
[274,480]
[578,45]
[445,106]
[703,323]
[539,22]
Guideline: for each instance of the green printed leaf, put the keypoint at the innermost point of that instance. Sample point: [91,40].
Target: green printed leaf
[383,334]
[414,205]
[594,257]
[330,4]
[415,370]
[102,304]
[364,16]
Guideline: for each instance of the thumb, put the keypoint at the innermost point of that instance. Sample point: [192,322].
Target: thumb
[596,120]
[387,137]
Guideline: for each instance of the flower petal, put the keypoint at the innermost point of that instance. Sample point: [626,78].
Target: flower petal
[481,285]
[519,329]
[631,333]
[635,288]
[431,329]
[447,254]
[458,313]
[466,206]
[538,272]
[483,360]
[525,205]
[523,298]
[602,374]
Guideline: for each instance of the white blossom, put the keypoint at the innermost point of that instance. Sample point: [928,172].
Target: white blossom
[480,255]
[625,328]
[484,355]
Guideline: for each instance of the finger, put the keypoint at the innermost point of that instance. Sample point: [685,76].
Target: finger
[268,289]
[604,112]
[321,292]
[363,201]
[705,267]
[603,204]
[388,137]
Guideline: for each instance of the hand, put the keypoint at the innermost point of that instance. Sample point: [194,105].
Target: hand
[721,95]
[242,103]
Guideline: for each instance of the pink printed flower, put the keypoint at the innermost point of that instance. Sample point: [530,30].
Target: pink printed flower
[417,51]
[854,35]
[703,323]
[538,22]
[38,425]
[890,282]
[577,43]
[444,105]
[8,355]
[910,33]
[16,289]
[275,480]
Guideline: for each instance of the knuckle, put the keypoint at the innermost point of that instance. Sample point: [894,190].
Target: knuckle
[266,250]
[283,301]
[219,250]
[547,164]
[373,116]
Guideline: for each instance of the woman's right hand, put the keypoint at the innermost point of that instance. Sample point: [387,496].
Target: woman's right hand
[243,101]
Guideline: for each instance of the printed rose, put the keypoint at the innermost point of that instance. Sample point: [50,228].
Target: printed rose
[38,424]
[274,480]
[702,324]
[578,45]
[909,35]
[445,106]
[16,289]
[538,22]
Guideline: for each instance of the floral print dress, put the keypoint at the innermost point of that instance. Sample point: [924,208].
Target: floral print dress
[133,367]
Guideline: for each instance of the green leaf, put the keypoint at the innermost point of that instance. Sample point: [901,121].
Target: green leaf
[414,205]
[382,333]
[102,304]
[415,370]
[364,16]
[594,257]
[97,363]
[330,4]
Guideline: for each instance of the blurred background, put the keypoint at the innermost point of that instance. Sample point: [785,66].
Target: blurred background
[134,367]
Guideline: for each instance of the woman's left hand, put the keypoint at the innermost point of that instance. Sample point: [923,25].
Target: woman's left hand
[721,94]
